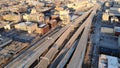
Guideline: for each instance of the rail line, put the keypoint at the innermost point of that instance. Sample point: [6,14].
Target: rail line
[49,46]
[32,45]
[78,56]
[59,43]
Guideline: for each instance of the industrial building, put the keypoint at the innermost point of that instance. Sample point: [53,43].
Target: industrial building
[106,61]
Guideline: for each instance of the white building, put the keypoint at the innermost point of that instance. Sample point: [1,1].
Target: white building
[106,61]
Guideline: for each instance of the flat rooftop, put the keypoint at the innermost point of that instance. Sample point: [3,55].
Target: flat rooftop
[106,61]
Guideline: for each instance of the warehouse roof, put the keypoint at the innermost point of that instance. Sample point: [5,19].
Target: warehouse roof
[106,61]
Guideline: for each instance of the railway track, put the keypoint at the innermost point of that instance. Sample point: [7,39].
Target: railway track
[78,56]
[38,38]
[15,48]
[54,48]
[64,56]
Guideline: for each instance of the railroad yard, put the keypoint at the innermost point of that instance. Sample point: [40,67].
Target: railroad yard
[59,34]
